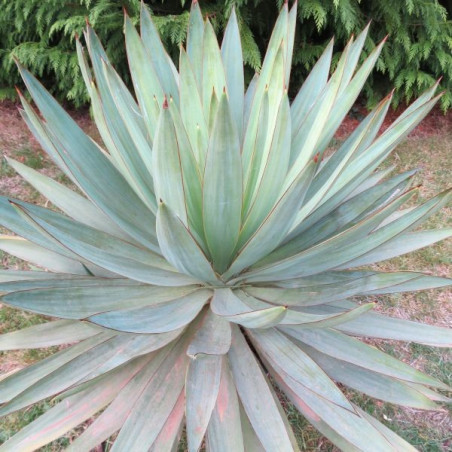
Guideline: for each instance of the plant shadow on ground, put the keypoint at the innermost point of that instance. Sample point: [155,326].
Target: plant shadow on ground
[428,431]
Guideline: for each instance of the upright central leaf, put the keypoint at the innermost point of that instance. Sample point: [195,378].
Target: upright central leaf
[222,191]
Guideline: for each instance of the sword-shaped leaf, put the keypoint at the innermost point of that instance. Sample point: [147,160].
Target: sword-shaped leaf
[98,247]
[371,383]
[156,402]
[201,390]
[191,110]
[80,302]
[161,318]
[15,386]
[99,178]
[70,202]
[225,430]
[377,325]
[42,257]
[348,349]
[73,410]
[256,396]
[147,85]
[180,247]
[114,416]
[195,39]
[48,334]
[288,360]
[400,245]
[222,190]
[162,62]
[170,434]
[231,54]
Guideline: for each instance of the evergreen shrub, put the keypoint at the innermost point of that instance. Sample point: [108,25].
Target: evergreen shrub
[41,35]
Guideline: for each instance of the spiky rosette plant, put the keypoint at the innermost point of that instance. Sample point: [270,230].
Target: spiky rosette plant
[206,254]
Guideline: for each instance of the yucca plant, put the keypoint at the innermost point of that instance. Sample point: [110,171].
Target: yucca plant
[204,254]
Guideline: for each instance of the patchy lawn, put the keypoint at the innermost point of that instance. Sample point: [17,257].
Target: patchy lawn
[428,148]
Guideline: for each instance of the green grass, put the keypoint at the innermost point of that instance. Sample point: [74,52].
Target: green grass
[427,431]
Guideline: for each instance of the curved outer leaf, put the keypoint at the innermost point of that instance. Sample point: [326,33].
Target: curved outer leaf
[377,325]
[48,334]
[83,301]
[201,390]
[45,280]
[396,441]
[295,317]
[15,276]
[170,434]
[400,245]
[345,348]
[315,293]
[114,416]
[289,361]
[98,247]
[11,219]
[225,431]
[99,178]
[371,383]
[222,190]
[227,305]
[156,403]
[160,318]
[72,411]
[344,428]
[70,202]
[256,396]
[180,247]
[42,135]
[347,252]
[349,212]
[38,255]
[16,387]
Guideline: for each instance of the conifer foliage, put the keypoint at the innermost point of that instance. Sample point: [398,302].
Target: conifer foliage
[42,35]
